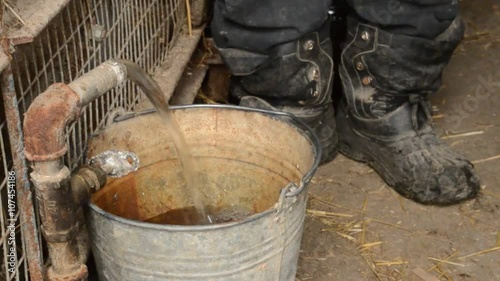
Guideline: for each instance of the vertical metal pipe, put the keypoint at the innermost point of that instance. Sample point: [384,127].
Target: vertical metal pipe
[24,195]
[60,225]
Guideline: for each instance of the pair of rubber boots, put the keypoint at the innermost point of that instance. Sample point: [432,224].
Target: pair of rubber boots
[384,116]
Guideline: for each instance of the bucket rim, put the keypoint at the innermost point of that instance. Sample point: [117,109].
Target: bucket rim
[290,190]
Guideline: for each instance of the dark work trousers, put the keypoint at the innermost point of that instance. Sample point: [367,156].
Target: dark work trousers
[256,26]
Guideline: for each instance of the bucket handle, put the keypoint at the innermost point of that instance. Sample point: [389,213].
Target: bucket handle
[281,205]
[292,189]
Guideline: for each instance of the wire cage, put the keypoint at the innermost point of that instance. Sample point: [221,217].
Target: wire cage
[78,36]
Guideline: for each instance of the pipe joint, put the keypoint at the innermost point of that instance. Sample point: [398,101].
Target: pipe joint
[61,236]
[56,180]
[79,274]
[85,181]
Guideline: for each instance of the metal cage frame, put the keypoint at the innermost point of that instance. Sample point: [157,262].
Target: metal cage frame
[58,41]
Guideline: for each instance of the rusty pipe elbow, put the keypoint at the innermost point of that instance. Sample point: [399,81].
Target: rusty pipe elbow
[51,112]
[46,120]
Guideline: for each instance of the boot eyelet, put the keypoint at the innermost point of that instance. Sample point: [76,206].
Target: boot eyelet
[365,35]
[308,45]
[360,66]
[367,80]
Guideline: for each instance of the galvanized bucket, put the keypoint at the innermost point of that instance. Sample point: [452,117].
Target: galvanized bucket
[258,160]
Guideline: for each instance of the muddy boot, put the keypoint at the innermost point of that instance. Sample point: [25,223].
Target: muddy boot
[385,116]
[296,78]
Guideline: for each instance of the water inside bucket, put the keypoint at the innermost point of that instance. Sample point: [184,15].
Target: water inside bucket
[190,216]
[243,167]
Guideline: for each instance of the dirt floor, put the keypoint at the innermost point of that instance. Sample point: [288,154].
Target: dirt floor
[359,229]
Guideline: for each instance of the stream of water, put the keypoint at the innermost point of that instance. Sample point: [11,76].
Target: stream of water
[155,95]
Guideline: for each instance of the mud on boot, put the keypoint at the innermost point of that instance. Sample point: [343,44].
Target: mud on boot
[295,77]
[385,117]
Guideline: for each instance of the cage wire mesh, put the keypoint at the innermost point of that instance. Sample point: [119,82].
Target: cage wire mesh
[84,34]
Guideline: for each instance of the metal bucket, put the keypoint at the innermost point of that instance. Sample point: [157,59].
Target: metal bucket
[257,160]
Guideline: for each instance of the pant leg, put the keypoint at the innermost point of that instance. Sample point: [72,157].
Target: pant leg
[403,54]
[258,25]
[417,18]
[263,44]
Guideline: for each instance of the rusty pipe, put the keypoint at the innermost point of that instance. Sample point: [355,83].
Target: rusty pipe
[60,105]
[44,128]
[45,125]
[60,226]
[61,214]
[112,73]
[66,238]
[99,80]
